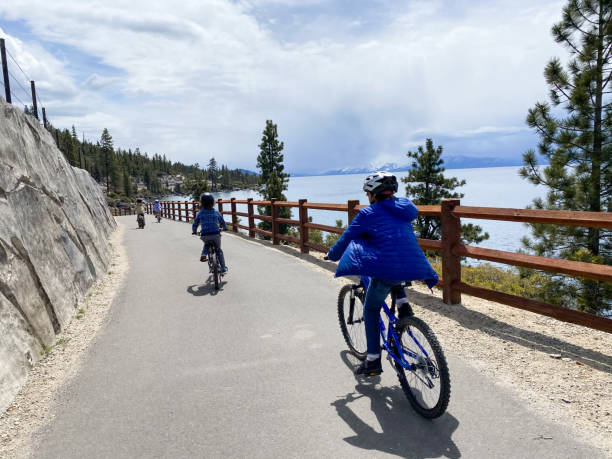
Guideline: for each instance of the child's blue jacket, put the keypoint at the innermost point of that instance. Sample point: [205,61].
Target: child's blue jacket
[380,243]
[210,219]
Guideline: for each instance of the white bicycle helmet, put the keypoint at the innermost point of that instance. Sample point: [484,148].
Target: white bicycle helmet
[380,183]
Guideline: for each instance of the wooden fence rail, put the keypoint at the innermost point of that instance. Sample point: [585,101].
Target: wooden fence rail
[451,247]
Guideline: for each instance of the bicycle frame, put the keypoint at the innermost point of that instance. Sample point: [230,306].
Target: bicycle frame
[391,337]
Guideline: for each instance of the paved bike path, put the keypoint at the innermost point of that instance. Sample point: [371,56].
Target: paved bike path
[258,370]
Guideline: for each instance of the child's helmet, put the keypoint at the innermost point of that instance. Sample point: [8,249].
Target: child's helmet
[138,199]
[157,200]
[207,199]
[380,183]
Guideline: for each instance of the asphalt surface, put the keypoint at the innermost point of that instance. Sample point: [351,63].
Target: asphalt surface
[259,370]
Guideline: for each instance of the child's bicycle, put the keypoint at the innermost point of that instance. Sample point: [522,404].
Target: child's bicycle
[214,266]
[412,349]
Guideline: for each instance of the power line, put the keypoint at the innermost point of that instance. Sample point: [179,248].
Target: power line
[25,75]
[15,96]
[17,81]
[15,61]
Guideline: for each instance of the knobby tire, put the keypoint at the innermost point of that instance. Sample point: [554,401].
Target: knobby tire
[437,361]
[354,334]
[216,273]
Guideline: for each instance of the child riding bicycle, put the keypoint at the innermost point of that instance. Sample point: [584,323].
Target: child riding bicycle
[210,219]
[381,244]
[157,208]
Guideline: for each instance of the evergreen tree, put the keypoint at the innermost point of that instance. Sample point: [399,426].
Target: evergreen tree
[272,181]
[106,149]
[426,185]
[270,157]
[212,172]
[128,188]
[197,184]
[578,148]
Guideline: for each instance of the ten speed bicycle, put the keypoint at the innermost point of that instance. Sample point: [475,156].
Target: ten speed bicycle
[412,349]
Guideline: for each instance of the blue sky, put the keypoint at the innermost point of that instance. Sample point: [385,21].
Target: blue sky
[349,83]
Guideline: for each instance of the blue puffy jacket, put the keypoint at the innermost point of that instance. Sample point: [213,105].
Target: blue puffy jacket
[380,243]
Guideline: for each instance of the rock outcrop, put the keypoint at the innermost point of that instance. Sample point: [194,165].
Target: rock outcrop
[54,228]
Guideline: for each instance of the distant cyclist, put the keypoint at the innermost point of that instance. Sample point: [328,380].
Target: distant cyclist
[381,244]
[157,208]
[140,208]
[210,219]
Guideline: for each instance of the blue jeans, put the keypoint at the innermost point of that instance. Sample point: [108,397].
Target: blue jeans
[375,296]
[216,238]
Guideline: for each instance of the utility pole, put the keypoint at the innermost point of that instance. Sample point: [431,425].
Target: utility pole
[7,86]
[44,117]
[33,86]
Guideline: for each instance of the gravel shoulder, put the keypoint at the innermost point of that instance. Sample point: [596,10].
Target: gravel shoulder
[33,405]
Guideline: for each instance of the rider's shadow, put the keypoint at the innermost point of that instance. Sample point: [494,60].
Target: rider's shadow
[404,432]
[206,289]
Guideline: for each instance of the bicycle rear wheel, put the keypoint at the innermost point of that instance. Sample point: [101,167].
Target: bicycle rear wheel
[427,386]
[216,273]
[352,322]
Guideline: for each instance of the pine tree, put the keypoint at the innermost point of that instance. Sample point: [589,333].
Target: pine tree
[426,185]
[128,188]
[270,157]
[106,147]
[212,172]
[578,148]
[272,181]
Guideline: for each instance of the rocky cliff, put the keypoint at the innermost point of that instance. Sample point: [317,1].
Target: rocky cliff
[54,225]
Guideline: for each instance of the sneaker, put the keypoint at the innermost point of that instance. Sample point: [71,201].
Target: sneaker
[369,368]
[203,257]
[223,270]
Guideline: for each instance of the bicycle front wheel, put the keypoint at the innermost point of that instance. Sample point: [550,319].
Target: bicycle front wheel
[352,322]
[427,386]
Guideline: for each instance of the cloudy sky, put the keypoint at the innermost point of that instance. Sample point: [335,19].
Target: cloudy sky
[350,83]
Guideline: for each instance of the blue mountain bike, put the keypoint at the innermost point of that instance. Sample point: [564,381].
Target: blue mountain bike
[412,349]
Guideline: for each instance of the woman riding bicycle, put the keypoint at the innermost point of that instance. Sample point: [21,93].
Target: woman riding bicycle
[381,244]
[210,219]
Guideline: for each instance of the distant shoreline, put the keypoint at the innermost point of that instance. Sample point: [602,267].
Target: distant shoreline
[406,169]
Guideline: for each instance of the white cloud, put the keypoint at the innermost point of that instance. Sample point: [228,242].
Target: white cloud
[199,78]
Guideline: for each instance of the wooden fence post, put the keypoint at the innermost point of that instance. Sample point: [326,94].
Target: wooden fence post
[234,216]
[193,209]
[352,210]
[220,207]
[251,213]
[303,214]
[186,211]
[451,263]
[274,214]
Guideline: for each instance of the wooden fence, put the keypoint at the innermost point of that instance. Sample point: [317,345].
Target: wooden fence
[450,247]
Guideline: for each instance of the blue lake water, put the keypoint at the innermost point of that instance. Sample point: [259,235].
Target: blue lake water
[490,187]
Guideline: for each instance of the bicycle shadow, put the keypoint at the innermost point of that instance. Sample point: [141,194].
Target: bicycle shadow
[206,289]
[404,432]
